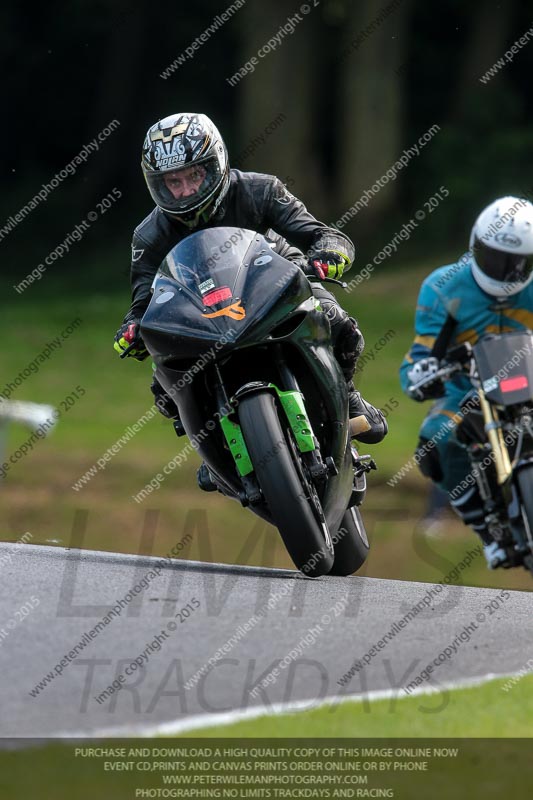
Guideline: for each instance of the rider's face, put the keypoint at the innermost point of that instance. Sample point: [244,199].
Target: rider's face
[185,182]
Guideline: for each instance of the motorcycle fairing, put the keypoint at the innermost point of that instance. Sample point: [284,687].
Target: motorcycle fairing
[505,367]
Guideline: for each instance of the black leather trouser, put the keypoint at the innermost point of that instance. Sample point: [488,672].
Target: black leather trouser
[347,339]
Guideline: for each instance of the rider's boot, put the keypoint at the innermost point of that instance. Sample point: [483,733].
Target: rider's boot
[367,423]
[495,555]
[203,477]
[169,409]
[469,507]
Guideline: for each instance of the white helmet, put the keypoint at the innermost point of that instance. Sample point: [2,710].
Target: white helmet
[501,244]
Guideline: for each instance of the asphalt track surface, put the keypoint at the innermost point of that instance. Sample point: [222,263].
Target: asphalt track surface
[72,590]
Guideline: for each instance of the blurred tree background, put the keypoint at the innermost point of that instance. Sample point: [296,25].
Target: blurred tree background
[355,84]
[349,87]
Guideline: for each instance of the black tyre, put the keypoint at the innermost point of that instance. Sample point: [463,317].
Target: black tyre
[525,485]
[291,498]
[350,543]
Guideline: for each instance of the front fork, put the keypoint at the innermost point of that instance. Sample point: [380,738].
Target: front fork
[496,516]
[493,429]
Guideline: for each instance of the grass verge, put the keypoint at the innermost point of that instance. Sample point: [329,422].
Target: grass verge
[484,711]
[475,720]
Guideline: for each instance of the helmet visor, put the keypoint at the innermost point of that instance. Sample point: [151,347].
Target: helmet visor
[502,266]
[187,187]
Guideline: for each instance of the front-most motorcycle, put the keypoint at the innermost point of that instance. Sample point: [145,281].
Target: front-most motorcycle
[240,343]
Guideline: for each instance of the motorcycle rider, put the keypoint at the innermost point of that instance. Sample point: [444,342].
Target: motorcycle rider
[185,165]
[489,290]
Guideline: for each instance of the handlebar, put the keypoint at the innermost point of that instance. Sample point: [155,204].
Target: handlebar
[128,349]
[342,284]
[441,374]
[315,279]
[456,361]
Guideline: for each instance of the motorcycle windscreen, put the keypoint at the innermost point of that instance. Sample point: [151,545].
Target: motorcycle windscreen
[208,262]
[505,366]
[219,282]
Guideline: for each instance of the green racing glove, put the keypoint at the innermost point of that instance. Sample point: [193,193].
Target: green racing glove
[328,264]
[128,334]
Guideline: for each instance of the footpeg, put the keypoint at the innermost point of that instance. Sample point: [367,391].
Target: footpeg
[363,464]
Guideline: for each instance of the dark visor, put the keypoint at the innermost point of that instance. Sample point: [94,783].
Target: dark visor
[500,266]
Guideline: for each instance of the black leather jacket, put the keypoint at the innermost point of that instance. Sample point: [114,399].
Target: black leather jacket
[255,201]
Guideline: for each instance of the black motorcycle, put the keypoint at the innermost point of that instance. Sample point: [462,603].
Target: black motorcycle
[497,432]
[241,345]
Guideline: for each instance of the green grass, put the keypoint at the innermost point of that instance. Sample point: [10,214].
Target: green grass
[485,711]
[483,769]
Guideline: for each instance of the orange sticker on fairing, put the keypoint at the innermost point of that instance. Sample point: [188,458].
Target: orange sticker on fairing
[235,311]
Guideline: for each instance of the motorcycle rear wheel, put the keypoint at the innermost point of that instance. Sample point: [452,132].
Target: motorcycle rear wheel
[298,517]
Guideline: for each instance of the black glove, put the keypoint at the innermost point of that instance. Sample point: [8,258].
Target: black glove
[420,372]
[127,334]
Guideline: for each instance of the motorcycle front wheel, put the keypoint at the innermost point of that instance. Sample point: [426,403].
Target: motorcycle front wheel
[290,496]
[525,485]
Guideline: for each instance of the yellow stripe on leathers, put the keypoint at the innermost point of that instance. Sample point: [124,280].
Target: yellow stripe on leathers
[425,341]
[521,315]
